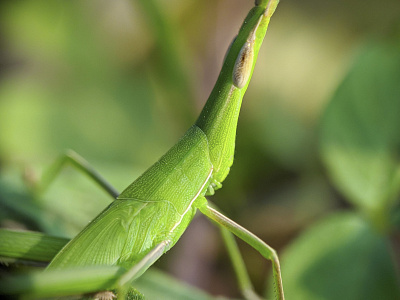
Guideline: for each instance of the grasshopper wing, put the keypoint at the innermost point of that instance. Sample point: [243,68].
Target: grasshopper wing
[157,207]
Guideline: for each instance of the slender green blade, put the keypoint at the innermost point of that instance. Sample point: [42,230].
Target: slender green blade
[168,64]
[157,285]
[35,246]
[27,245]
[70,281]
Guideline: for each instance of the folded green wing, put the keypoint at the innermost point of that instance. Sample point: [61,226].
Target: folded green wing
[156,207]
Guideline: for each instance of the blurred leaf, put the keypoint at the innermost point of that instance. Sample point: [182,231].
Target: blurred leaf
[67,89]
[28,245]
[360,137]
[36,246]
[16,204]
[61,282]
[157,285]
[283,135]
[153,284]
[167,61]
[343,258]
[63,211]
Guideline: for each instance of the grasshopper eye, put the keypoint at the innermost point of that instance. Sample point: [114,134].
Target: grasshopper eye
[243,65]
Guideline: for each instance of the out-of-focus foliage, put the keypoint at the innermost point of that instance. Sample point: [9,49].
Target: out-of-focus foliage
[120,81]
[349,259]
[351,254]
[157,285]
[360,137]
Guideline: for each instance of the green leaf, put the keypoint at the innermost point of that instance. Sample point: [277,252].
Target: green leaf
[70,281]
[17,204]
[36,246]
[360,130]
[157,285]
[28,245]
[343,258]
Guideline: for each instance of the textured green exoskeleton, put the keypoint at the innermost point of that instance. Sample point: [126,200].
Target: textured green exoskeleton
[151,214]
[153,209]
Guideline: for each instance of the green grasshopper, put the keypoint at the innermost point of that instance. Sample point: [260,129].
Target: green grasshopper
[150,215]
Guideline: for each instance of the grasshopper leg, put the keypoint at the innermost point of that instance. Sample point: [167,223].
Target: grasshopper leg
[251,239]
[239,267]
[75,160]
[238,264]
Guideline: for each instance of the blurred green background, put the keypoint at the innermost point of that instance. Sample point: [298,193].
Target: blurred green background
[317,163]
